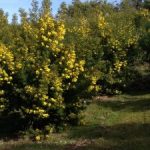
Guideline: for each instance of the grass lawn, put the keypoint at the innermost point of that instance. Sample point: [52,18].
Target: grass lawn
[111,123]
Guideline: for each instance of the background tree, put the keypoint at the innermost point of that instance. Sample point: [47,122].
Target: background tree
[46,7]
[23,15]
[34,11]
[14,19]
[62,12]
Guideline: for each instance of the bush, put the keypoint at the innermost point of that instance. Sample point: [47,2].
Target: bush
[109,44]
[35,80]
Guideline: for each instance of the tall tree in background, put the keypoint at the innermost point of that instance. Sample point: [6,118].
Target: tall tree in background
[23,15]
[74,2]
[3,19]
[14,19]
[132,3]
[46,7]
[62,12]
[146,4]
[34,11]
[4,27]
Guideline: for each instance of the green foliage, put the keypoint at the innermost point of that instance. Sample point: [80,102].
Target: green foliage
[107,39]
[144,19]
[49,65]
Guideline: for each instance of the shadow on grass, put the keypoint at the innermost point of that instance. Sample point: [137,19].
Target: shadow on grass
[129,105]
[139,86]
[34,146]
[132,136]
[122,136]
[119,131]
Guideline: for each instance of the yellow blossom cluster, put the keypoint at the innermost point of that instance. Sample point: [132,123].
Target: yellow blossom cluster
[144,12]
[43,70]
[7,67]
[101,22]
[115,44]
[72,67]
[29,89]
[7,70]
[57,84]
[132,41]
[93,86]
[82,28]
[51,33]
[2,99]
[103,26]
[38,112]
[119,64]
[39,96]
[27,28]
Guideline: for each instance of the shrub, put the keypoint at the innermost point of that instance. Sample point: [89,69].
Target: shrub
[35,78]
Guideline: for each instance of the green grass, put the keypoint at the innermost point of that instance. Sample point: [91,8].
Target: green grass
[114,123]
